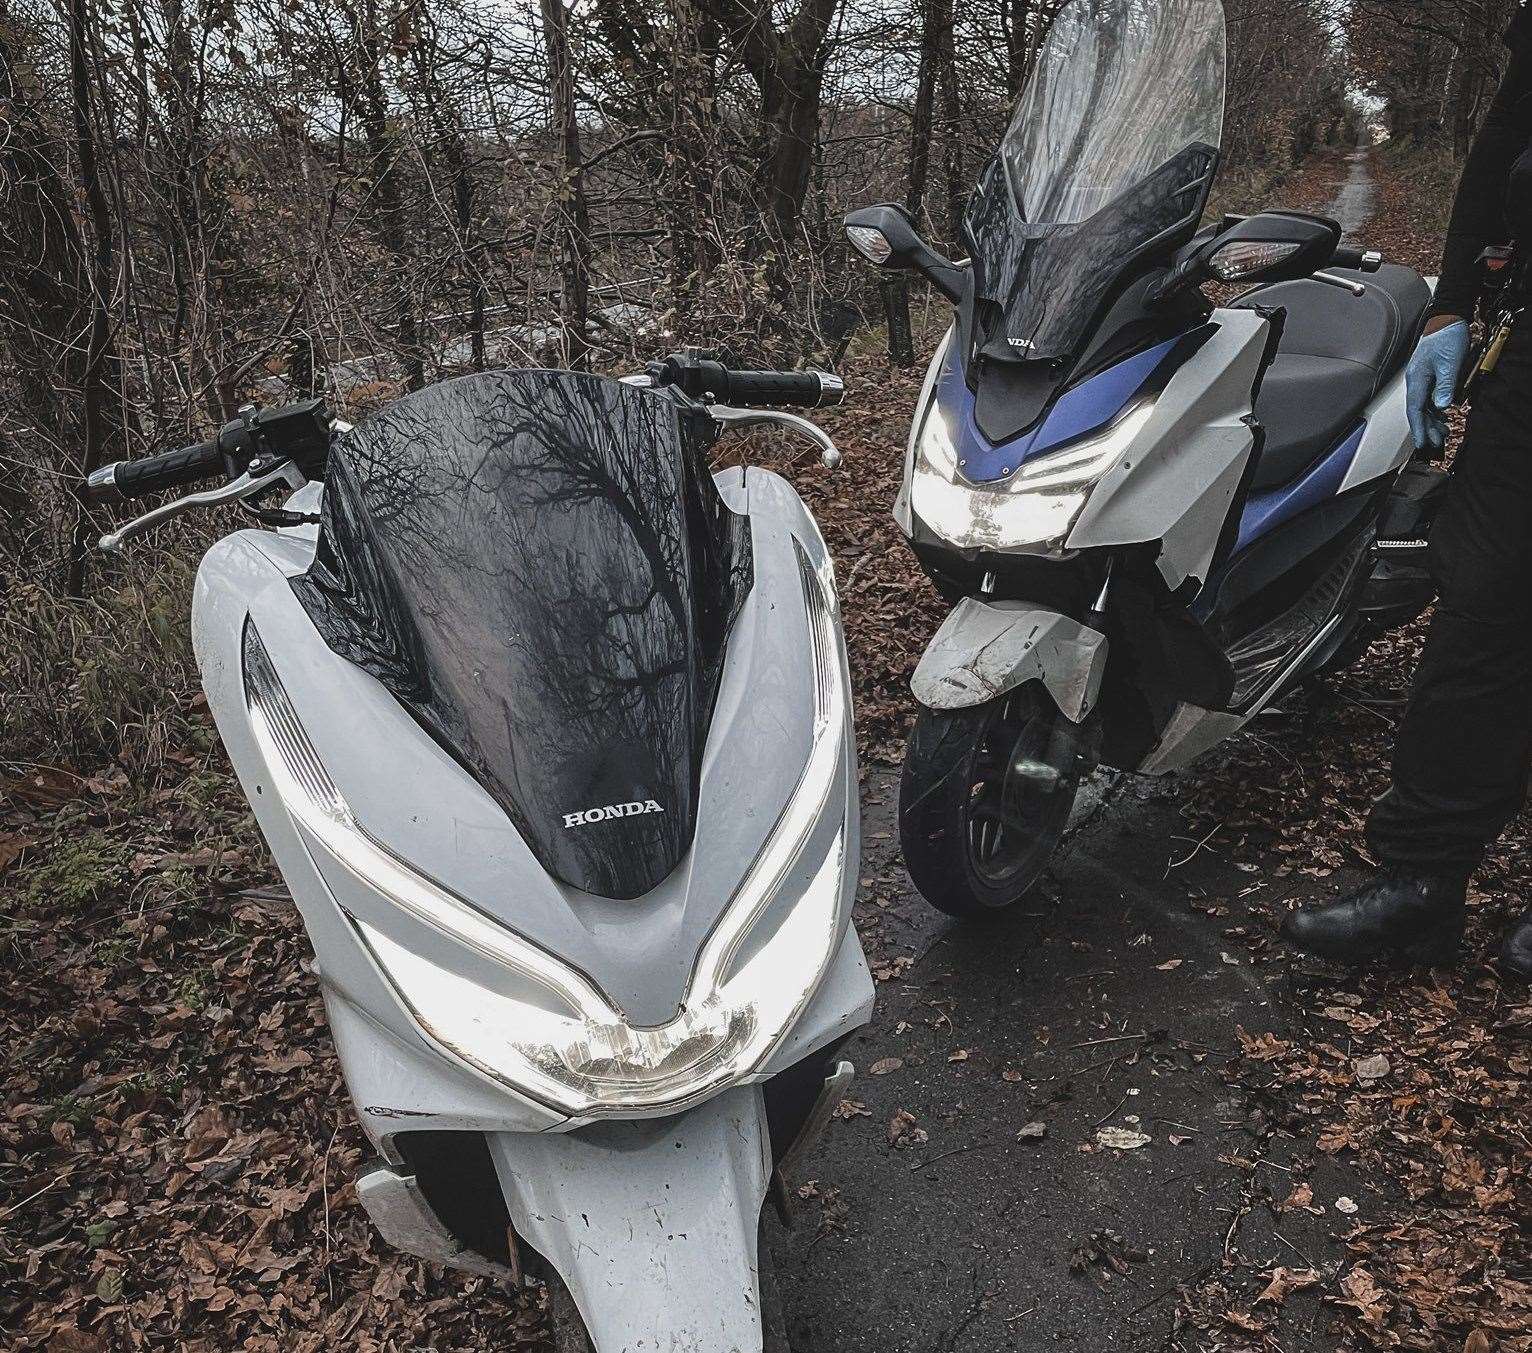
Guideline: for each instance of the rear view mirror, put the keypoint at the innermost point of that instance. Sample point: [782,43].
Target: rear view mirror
[1276,246]
[886,237]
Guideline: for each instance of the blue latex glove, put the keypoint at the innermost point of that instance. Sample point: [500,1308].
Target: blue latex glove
[1431,381]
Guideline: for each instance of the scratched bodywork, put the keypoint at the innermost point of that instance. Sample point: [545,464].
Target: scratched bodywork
[660,1255]
[986,649]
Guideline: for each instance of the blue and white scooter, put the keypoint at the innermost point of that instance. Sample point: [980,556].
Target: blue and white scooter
[1153,514]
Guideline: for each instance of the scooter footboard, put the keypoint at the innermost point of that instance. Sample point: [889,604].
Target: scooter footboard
[652,1223]
[986,649]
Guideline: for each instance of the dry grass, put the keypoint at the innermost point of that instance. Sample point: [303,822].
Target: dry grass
[99,681]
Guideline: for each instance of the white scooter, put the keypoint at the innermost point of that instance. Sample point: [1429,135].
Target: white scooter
[1153,515]
[550,733]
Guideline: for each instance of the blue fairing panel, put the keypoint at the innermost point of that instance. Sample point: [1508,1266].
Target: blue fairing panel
[1078,412]
[1267,511]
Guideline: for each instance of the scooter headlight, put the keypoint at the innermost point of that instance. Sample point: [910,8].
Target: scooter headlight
[1036,508]
[546,1030]
[935,449]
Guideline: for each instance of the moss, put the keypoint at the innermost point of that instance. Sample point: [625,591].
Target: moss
[73,873]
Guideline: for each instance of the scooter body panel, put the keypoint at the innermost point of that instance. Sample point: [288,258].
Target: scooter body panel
[653,1225]
[985,650]
[1178,480]
[1387,444]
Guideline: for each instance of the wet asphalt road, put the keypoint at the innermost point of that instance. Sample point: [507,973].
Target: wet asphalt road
[1353,205]
[1111,1001]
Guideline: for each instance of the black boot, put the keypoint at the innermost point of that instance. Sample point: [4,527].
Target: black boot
[1516,952]
[1406,918]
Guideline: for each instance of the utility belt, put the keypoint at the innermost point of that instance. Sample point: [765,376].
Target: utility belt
[1505,291]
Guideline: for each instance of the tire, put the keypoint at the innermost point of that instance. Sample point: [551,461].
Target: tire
[976,840]
[565,1325]
[567,1329]
[774,1338]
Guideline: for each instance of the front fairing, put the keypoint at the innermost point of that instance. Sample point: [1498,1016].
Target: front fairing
[971,494]
[406,793]
[538,567]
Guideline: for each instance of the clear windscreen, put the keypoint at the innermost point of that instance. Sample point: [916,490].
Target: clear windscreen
[1119,88]
[1112,149]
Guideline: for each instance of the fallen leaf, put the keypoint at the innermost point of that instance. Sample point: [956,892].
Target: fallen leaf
[904,1131]
[1345,1205]
[960,1055]
[1365,1296]
[11,848]
[852,1108]
[1244,1322]
[1170,965]
[1032,1132]
[1301,1199]
[1371,1069]
[884,1065]
[1262,1047]
[1285,1280]
[1122,1139]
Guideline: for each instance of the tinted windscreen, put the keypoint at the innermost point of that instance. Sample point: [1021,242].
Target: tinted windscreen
[1044,288]
[1111,148]
[539,567]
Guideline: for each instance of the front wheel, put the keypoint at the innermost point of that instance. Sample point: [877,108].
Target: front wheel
[984,799]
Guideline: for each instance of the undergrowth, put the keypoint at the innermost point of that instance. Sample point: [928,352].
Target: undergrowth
[101,680]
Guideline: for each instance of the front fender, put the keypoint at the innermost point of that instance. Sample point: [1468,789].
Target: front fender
[651,1223]
[985,649]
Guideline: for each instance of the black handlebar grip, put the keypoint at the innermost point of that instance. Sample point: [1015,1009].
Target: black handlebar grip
[155,474]
[1358,260]
[806,389]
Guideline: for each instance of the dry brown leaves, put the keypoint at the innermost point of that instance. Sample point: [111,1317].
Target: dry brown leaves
[176,1147]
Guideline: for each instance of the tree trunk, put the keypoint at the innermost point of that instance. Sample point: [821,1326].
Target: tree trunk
[689,171]
[787,64]
[574,210]
[952,116]
[99,425]
[42,297]
[390,221]
[1014,17]
[925,101]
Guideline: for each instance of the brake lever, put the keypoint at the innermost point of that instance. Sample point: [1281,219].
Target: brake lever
[829,454]
[1344,283]
[236,490]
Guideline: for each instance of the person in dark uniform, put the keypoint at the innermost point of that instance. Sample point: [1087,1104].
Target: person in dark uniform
[1464,750]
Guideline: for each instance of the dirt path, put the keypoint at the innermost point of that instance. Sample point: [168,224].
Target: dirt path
[1112,1002]
[1354,204]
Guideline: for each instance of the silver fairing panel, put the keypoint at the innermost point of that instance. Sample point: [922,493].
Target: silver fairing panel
[660,1253]
[408,794]
[1177,481]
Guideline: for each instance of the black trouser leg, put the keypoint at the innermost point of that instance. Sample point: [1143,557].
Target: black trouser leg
[1463,752]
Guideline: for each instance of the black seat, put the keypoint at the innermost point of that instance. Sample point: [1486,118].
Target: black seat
[1337,351]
